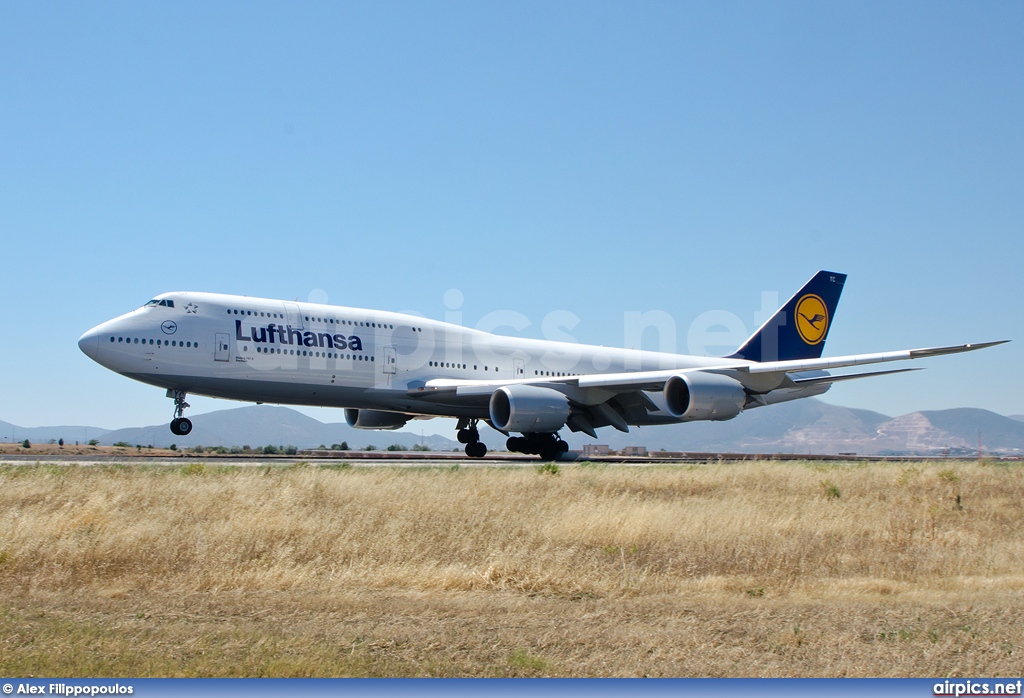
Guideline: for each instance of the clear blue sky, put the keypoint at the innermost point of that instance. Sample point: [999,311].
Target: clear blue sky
[589,157]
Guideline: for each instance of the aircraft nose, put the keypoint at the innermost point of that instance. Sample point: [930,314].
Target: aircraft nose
[89,343]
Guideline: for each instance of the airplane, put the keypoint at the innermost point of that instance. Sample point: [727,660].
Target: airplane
[386,368]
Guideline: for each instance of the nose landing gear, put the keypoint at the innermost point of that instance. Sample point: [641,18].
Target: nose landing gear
[180,425]
[470,435]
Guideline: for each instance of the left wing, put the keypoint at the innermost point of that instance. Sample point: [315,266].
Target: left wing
[743,371]
[608,398]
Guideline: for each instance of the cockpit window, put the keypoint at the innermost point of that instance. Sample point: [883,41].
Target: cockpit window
[166,303]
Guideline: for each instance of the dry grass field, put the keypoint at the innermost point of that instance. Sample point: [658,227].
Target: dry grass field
[745,569]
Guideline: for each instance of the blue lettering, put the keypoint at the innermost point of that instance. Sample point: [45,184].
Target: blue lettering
[274,334]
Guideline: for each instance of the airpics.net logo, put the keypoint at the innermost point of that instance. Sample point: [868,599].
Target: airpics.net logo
[967,688]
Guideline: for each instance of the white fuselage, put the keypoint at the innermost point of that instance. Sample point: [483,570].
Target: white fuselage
[263,350]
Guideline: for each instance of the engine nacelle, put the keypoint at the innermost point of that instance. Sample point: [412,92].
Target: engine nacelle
[375,419]
[702,396]
[528,408]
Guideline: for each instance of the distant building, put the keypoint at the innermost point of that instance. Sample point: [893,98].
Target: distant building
[595,450]
[633,451]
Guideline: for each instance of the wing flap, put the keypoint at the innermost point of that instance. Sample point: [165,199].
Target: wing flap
[849,376]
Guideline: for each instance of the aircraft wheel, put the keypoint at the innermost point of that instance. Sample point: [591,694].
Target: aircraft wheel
[548,453]
[561,446]
[476,450]
[463,436]
[517,444]
[181,426]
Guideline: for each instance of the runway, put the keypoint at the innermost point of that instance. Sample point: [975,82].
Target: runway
[416,459]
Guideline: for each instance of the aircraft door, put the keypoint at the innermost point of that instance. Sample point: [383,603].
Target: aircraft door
[294,315]
[223,347]
[390,360]
[519,368]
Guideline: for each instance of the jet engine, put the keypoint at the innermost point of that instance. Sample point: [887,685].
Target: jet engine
[375,419]
[700,396]
[528,409]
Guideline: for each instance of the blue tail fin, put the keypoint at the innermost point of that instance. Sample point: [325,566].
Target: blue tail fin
[799,329]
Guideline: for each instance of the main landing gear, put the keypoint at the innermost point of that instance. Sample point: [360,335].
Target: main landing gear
[547,446]
[180,425]
[470,435]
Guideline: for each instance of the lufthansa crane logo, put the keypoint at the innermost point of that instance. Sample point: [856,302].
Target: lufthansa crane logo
[811,318]
[169,327]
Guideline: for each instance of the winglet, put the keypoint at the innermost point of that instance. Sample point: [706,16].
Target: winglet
[800,327]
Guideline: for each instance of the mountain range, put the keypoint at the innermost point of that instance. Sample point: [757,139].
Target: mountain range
[257,425]
[812,426]
[803,426]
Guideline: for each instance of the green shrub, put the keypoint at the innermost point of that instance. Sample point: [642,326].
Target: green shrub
[831,489]
[193,469]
